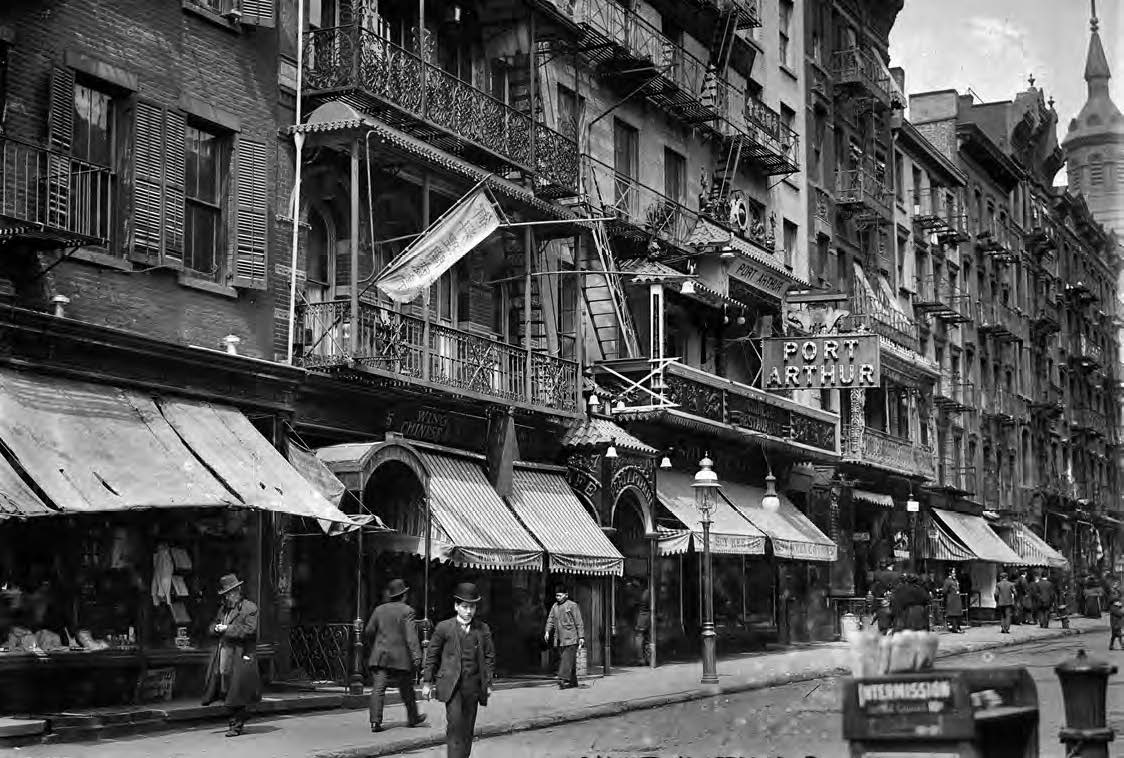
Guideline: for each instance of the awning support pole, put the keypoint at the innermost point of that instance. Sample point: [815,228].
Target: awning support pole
[355,686]
[653,566]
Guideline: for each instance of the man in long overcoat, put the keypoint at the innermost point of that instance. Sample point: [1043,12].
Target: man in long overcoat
[1042,593]
[232,675]
[565,623]
[953,605]
[461,662]
[1005,602]
[395,654]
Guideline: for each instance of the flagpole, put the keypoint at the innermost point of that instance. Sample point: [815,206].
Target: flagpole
[428,290]
[298,141]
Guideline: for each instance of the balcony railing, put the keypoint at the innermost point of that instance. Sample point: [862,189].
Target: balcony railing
[953,395]
[998,492]
[856,69]
[860,191]
[1003,405]
[638,211]
[937,211]
[954,476]
[940,299]
[717,399]
[877,448]
[1045,318]
[626,46]
[883,320]
[998,239]
[52,196]
[359,66]
[1090,420]
[1091,354]
[1002,322]
[405,348]
[767,141]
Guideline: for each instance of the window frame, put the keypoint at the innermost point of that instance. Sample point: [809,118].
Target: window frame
[223,145]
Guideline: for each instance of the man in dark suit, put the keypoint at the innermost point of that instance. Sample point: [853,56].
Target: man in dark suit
[232,675]
[565,623]
[1043,593]
[395,654]
[461,660]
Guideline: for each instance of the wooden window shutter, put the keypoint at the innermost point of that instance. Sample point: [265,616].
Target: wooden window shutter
[60,135]
[258,13]
[157,203]
[251,217]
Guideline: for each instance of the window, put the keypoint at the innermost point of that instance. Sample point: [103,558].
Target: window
[83,123]
[571,110]
[785,32]
[204,175]
[674,175]
[790,231]
[899,177]
[626,163]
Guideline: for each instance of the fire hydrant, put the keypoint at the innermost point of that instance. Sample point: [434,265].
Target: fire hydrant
[1084,690]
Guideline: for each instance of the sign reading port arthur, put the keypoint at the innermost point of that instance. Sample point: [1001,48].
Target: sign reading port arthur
[848,361]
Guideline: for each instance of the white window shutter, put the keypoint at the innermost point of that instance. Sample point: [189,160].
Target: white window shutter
[60,131]
[251,216]
[148,181]
[258,13]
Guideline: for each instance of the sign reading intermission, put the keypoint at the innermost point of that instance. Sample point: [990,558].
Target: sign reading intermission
[841,360]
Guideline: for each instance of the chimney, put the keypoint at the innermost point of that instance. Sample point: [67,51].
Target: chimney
[231,341]
[60,301]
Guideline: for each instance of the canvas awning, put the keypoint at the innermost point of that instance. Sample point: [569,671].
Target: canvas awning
[975,534]
[1032,548]
[730,532]
[97,448]
[873,498]
[17,500]
[471,524]
[574,542]
[939,544]
[792,534]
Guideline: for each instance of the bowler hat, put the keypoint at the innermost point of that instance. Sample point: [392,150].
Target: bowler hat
[560,590]
[396,588]
[228,582]
[466,593]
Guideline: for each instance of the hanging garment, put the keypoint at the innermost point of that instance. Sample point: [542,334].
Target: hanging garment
[162,570]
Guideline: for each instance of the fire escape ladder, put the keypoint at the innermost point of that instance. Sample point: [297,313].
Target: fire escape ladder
[721,49]
[606,304]
[724,174]
[515,258]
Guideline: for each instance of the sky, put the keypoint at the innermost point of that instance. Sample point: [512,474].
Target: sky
[991,46]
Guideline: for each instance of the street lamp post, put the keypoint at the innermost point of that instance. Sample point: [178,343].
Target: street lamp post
[706,488]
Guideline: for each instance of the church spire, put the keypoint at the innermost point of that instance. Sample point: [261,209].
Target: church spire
[1096,64]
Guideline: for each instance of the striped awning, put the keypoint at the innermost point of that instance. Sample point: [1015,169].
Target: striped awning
[938,543]
[874,498]
[471,525]
[574,542]
[792,534]
[17,499]
[974,534]
[730,532]
[1032,548]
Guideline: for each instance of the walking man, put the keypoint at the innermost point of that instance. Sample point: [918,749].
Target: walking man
[565,621]
[232,675]
[1043,593]
[461,660]
[953,606]
[395,654]
[1116,624]
[1022,598]
[1005,601]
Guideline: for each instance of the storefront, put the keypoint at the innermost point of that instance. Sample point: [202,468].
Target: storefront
[124,509]
[877,536]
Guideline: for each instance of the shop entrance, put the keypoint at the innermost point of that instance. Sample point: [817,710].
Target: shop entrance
[628,536]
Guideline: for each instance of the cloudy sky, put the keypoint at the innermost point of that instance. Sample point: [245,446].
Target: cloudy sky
[991,46]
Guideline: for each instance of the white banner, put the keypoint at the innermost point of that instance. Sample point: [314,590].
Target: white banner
[429,256]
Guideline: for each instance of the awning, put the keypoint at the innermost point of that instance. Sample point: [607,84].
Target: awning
[94,448]
[574,542]
[16,498]
[938,543]
[469,517]
[792,533]
[235,452]
[974,533]
[730,532]
[328,484]
[1032,548]
[874,498]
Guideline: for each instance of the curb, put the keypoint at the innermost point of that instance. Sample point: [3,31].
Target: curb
[606,710]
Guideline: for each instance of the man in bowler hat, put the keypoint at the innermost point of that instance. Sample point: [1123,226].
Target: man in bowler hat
[461,660]
[232,675]
[565,622]
[395,654]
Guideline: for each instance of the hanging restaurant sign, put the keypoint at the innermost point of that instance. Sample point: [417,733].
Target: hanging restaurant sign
[847,361]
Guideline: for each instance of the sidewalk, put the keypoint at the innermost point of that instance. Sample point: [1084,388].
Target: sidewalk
[345,734]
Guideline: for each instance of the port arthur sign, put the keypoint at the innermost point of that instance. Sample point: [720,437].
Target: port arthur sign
[837,361]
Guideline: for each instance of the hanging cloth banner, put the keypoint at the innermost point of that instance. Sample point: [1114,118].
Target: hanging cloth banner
[449,239]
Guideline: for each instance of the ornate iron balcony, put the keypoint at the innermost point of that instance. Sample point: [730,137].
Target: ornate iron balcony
[639,212]
[628,48]
[877,448]
[360,67]
[52,197]
[741,409]
[883,320]
[1090,354]
[763,139]
[859,191]
[404,348]
[859,72]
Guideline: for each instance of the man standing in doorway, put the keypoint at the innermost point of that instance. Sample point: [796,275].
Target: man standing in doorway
[461,659]
[1005,602]
[565,621]
[395,654]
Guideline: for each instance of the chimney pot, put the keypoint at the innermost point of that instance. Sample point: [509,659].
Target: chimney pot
[60,301]
[231,341]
